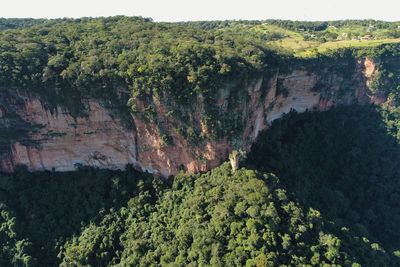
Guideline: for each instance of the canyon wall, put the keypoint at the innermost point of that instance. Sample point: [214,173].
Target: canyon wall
[53,139]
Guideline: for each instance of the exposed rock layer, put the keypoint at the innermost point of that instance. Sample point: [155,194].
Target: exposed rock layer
[62,142]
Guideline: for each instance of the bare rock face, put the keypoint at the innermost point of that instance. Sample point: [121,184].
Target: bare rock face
[61,142]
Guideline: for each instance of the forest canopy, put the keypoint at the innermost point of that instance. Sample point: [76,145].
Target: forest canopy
[94,56]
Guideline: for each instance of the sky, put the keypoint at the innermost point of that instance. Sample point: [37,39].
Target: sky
[185,10]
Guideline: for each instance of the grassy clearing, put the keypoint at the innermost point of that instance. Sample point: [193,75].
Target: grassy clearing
[332,45]
[295,42]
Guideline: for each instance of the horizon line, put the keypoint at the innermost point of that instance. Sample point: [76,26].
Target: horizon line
[200,20]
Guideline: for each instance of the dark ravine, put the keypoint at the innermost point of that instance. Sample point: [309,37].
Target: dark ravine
[61,142]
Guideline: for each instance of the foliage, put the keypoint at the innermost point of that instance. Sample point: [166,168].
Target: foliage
[19,23]
[40,211]
[219,218]
[93,55]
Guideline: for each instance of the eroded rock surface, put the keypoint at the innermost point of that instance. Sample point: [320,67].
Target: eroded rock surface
[61,142]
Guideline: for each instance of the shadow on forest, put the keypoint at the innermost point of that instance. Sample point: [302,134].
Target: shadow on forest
[50,207]
[342,162]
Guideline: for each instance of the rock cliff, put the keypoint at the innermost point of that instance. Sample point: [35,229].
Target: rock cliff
[53,139]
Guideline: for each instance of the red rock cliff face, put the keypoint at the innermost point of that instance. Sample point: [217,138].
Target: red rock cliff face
[62,142]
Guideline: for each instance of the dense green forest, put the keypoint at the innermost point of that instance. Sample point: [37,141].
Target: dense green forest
[97,56]
[41,211]
[332,201]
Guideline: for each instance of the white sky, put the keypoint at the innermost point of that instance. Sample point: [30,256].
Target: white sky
[183,10]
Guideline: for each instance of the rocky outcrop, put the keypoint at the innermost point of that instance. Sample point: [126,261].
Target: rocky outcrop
[58,141]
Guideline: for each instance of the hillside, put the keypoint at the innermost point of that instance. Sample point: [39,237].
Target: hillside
[115,132]
[107,92]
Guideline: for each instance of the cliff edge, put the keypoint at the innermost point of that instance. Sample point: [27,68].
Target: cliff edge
[54,139]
